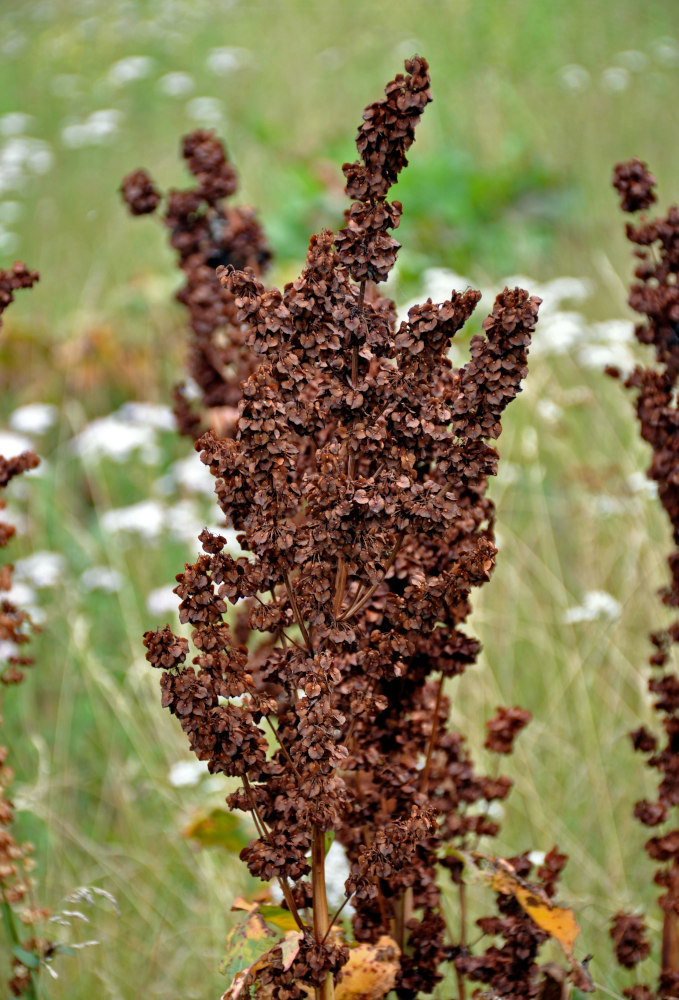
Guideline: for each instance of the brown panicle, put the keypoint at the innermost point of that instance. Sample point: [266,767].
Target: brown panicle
[356,479]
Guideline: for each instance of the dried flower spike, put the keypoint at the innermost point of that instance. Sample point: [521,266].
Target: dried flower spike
[356,479]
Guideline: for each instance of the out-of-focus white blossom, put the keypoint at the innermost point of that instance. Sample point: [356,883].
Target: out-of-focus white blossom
[176,84]
[185,773]
[205,110]
[99,127]
[15,123]
[615,79]
[41,569]
[596,604]
[12,444]
[116,438]
[33,418]
[104,578]
[574,77]
[130,69]
[666,51]
[146,518]
[226,59]
[162,601]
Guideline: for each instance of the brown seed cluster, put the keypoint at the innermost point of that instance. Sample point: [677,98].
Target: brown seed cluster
[19,276]
[207,233]
[655,296]
[16,862]
[356,479]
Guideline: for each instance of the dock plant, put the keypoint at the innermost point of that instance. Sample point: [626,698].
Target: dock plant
[356,477]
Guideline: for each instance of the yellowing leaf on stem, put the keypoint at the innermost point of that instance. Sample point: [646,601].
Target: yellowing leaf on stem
[252,940]
[370,972]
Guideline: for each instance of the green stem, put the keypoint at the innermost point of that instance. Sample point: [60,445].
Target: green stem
[8,920]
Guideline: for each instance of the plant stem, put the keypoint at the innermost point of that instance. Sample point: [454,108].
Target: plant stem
[283,748]
[8,919]
[296,612]
[432,738]
[320,903]
[341,576]
[264,834]
[361,601]
[463,938]
[404,910]
[336,916]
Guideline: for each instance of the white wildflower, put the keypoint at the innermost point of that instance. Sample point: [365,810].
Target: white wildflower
[615,79]
[574,77]
[148,414]
[596,604]
[115,438]
[666,51]
[94,130]
[130,69]
[15,123]
[146,518]
[206,110]
[548,410]
[185,773]
[225,59]
[176,84]
[12,444]
[162,601]
[104,578]
[193,475]
[41,569]
[33,418]
[633,60]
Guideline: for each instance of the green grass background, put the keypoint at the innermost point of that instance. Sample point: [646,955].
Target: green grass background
[510,174]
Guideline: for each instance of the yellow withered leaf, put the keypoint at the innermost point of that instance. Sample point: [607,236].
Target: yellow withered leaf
[557,921]
[370,972]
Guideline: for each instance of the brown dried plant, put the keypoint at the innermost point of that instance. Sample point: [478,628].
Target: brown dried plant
[206,233]
[356,477]
[16,898]
[655,296]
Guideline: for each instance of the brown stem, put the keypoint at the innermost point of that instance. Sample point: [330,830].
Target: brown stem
[336,915]
[432,738]
[263,833]
[340,584]
[361,601]
[296,612]
[320,903]
[670,937]
[283,748]
[341,576]
[463,939]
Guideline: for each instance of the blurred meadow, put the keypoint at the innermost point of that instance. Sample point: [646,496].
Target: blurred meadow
[510,175]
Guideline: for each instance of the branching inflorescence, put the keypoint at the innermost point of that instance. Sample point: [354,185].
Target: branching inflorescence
[356,478]
[207,233]
[19,909]
[655,296]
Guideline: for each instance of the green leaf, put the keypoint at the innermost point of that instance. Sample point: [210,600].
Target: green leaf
[280,918]
[245,944]
[218,828]
[329,837]
[248,944]
[27,958]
